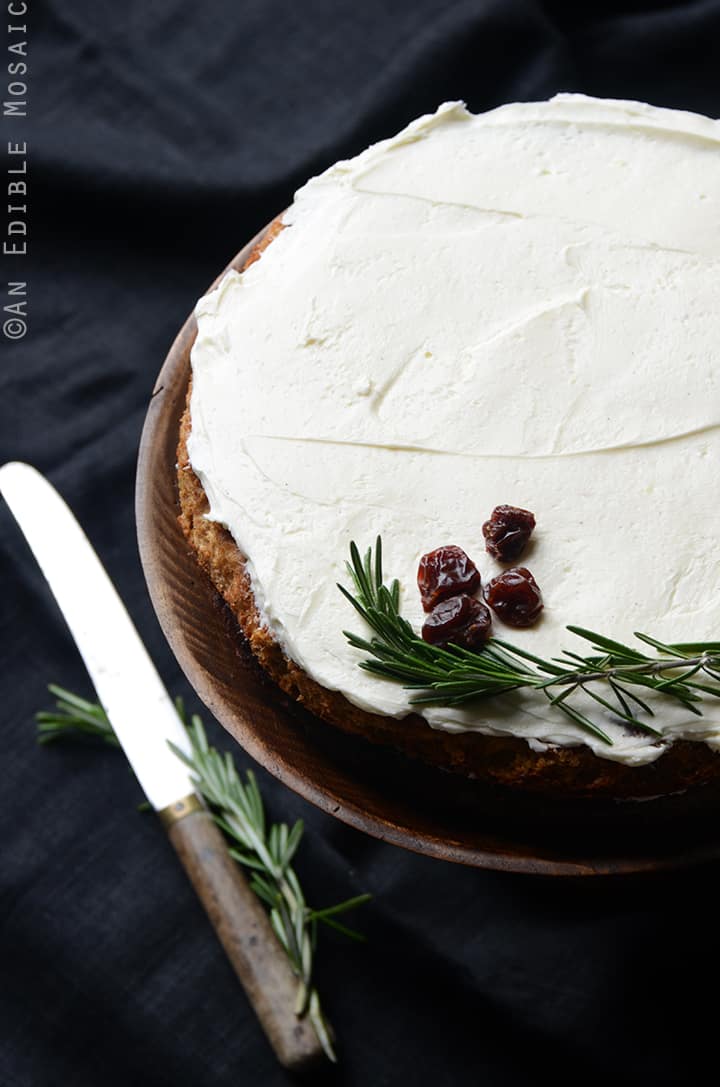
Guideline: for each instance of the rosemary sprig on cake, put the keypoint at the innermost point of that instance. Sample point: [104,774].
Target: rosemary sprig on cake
[450,675]
[265,849]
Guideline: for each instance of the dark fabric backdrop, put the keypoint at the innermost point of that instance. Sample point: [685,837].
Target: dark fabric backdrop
[161,137]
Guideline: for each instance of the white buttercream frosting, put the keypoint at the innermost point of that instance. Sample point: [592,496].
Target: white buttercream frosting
[519,307]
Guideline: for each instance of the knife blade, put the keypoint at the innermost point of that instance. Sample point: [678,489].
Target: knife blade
[118,663]
[145,721]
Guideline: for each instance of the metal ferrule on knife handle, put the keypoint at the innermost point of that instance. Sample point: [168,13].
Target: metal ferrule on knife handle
[171,813]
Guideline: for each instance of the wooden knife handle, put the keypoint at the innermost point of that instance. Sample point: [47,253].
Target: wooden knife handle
[244,931]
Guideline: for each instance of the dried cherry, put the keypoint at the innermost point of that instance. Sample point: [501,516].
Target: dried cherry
[445,572]
[461,619]
[515,597]
[507,532]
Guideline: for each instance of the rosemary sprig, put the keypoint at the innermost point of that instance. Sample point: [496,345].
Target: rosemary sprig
[265,849]
[451,676]
[74,718]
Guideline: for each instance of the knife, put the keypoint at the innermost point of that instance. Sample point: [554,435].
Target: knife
[124,678]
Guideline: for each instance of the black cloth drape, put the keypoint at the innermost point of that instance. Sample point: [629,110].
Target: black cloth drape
[160,137]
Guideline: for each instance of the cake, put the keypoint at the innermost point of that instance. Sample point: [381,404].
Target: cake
[520,307]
